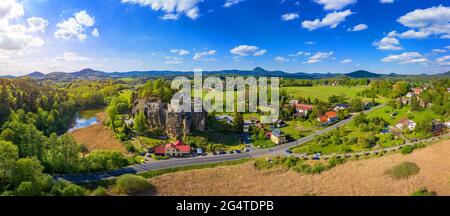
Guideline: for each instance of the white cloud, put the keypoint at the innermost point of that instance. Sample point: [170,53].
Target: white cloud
[281,59]
[430,21]
[37,24]
[406,57]
[170,17]
[346,61]
[200,55]
[443,58]
[230,3]
[359,27]
[95,32]
[310,42]
[410,34]
[319,57]
[335,4]
[180,52]
[289,16]
[174,7]
[388,43]
[173,60]
[332,20]
[15,37]
[75,27]
[72,57]
[438,51]
[84,19]
[245,50]
[386,1]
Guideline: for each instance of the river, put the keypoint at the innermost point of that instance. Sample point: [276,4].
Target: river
[85,119]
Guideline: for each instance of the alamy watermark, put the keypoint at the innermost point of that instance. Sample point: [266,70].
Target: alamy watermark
[238,94]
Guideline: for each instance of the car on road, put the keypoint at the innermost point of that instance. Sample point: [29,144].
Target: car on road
[231,152]
[237,151]
[222,152]
[246,150]
[288,151]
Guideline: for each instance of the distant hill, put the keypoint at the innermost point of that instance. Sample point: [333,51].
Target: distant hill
[257,72]
[363,74]
[36,75]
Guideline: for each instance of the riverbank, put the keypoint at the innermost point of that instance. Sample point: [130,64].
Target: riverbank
[98,137]
[357,178]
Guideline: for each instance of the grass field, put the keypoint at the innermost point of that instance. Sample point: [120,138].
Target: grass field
[299,129]
[324,92]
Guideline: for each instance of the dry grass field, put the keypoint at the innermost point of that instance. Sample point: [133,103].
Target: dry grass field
[362,177]
[98,137]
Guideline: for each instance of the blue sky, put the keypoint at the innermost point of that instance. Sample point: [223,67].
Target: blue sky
[336,36]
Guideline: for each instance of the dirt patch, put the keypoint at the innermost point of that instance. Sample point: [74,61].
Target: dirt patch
[362,177]
[98,137]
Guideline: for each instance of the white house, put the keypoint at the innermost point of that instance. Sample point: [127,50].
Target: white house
[406,123]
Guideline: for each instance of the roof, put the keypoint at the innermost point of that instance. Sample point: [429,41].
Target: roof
[304,107]
[160,149]
[405,121]
[177,145]
[323,119]
[178,142]
[276,133]
[331,114]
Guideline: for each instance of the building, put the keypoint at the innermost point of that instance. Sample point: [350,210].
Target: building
[280,123]
[277,137]
[177,149]
[329,118]
[438,128]
[409,94]
[447,124]
[417,91]
[406,123]
[341,107]
[292,103]
[303,109]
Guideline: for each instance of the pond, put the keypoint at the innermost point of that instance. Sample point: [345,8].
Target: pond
[85,119]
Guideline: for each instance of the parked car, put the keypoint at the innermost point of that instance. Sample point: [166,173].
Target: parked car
[288,151]
[222,152]
[215,152]
[231,152]
[237,151]
[246,150]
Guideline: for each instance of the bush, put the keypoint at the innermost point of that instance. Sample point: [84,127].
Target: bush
[100,191]
[63,188]
[407,150]
[131,184]
[335,162]
[423,192]
[27,189]
[403,170]
[104,160]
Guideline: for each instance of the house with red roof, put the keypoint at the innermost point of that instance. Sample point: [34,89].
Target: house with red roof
[303,109]
[417,91]
[177,149]
[329,118]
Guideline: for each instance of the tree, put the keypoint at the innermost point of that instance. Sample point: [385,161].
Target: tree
[140,123]
[357,105]
[113,113]
[238,122]
[9,153]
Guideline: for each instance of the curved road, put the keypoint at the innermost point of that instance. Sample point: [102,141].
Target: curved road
[172,163]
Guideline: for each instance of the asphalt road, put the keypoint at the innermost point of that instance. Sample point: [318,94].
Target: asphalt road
[181,162]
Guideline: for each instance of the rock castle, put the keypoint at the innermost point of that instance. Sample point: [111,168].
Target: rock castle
[162,115]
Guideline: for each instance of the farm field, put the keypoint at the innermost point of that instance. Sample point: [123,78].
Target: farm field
[98,137]
[324,92]
[359,178]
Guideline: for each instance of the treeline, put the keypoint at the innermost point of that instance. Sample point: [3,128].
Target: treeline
[341,81]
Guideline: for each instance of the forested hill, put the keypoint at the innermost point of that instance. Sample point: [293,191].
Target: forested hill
[95,74]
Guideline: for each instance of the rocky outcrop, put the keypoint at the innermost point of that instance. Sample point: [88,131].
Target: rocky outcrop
[175,124]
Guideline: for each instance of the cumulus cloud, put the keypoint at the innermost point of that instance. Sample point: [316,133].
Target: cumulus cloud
[95,32]
[37,24]
[172,8]
[230,3]
[406,57]
[289,16]
[15,37]
[245,50]
[335,4]
[75,27]
[201,55]
[430,21]
[346,61]
[359,27]
[281,59]
[332,20]
[173,60]
[319,57]
[388,43]
[180,52]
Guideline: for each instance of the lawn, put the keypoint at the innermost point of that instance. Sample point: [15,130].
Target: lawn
[298,129]
[324,92]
